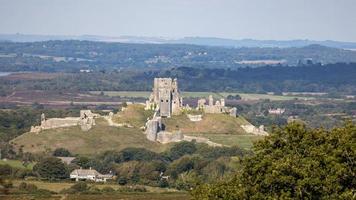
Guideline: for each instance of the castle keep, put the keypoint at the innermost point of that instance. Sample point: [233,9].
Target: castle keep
[165,97]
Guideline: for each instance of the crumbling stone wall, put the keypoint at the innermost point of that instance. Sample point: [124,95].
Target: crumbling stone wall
[218,107]
[85,121]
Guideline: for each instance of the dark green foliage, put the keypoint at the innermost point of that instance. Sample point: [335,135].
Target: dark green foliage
[139,154]
[51,168]
[233,97]
[61,152]
[122,181]
[5,170]
[294,163]
[180,149]
[132,189]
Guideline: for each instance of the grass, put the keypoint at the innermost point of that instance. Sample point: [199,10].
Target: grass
[246,96]
[97,140]
[242,141]
[153,193]
[134,115]
[59,186]
[16,164]
[219,128]
[211,124]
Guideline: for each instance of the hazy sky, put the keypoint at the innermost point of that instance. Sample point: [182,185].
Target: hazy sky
[237,19]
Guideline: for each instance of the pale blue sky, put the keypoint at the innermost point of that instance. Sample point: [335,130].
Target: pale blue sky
[237,19]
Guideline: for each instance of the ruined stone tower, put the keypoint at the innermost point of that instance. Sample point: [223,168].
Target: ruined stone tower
[165,97]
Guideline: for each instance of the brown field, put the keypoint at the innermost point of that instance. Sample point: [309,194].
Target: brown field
[57,98]
[32,76]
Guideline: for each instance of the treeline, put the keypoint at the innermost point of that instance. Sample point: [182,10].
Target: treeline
[72,55]
[332,78]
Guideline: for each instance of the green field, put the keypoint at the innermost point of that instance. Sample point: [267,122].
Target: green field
[245,96]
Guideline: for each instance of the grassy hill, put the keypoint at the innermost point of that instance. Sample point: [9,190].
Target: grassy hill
[211,123]
[134,114]
[219,128]
[98,139]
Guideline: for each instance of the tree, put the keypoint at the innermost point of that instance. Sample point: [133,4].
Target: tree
[294,163]
[51,168]
[182,148]
[61,152]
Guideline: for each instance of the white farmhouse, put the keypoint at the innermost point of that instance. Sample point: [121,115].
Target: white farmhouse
[89,174]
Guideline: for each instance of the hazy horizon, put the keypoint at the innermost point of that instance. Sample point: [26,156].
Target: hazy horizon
[240,19]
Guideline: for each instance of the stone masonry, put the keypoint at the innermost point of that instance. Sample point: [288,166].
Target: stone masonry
[165,97]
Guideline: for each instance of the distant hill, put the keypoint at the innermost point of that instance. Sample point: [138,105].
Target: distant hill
[75,55]
[205,41]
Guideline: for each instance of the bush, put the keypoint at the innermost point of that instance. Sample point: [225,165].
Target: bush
[132,189]
[122,181]
[180,149]
[51,168]
[61,152]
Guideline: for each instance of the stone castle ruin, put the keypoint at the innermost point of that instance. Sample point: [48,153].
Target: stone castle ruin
[165,97]
[85,121]
[166,101]
[218,107]
[154,131]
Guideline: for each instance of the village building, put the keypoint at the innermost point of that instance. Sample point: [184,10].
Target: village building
[89,174]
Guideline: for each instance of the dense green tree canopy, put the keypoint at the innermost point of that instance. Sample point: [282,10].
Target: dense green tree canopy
[61,152]
[294,163]
[51,168]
